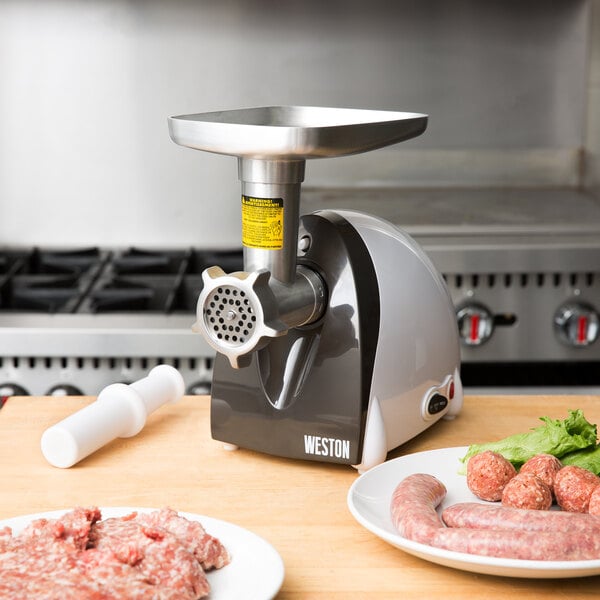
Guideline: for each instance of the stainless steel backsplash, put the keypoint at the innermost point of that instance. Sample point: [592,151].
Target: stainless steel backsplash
[86,88]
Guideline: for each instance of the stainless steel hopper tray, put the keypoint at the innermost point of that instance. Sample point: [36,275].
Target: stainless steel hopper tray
[294,132]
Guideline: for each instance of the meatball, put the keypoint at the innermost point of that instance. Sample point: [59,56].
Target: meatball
[487,475]
[544,466]
[527,490]
[594,506]
[573,487]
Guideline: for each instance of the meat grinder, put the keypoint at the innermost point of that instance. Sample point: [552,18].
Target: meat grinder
[338,341]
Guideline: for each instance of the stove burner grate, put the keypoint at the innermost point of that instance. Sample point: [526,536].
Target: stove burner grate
[136,261]
[121,295]
[74,261]
[50,294]
[92,281]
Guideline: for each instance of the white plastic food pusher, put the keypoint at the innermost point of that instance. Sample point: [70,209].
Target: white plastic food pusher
[119,411]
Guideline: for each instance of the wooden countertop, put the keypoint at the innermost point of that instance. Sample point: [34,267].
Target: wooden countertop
[299,507]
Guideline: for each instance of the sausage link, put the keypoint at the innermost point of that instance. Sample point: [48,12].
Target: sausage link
[525,545]
[413,511]
[413,507]
[484,516]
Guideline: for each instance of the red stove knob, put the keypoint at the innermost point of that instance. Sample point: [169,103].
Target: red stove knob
[576,324]
[475,324]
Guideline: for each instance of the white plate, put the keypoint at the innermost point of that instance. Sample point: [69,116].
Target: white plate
[369,502]
[256,570]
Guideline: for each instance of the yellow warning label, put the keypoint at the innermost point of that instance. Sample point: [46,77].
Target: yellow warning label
[262,223]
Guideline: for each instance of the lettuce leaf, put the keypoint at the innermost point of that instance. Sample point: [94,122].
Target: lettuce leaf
[588,458]
[554,437]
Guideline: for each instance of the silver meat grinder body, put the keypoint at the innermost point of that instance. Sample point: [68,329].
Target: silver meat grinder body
[338,342]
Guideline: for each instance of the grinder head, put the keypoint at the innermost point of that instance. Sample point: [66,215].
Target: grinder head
[237,313]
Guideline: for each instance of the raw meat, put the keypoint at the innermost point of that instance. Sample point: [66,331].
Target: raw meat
[487,516]
[414,516]
[527,490]
[413,507]
[81,557]
[525,545]
[209,552]
[544,466]
[487,475]
[594,505]
[573,487]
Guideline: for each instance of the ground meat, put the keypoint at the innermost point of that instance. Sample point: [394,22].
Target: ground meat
[80,557]
[476,515]
[487,475]
[526,490]
[544,466]
[490,529]
[208,550]
[155,555]
[43,562]
[573,487]
[594,505]
[35,574]
[72,529]
[5,538]
[413,507]
[522,545]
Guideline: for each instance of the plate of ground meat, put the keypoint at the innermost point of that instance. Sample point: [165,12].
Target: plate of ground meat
[138,553]
[420,504]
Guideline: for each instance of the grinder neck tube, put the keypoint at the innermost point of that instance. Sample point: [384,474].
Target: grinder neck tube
[271,215]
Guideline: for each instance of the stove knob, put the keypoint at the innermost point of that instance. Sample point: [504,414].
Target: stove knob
[576,324]
[200,388]
[475,324]
[11,389]
[64,390]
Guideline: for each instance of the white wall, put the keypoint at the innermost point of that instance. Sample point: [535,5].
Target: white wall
[86,88]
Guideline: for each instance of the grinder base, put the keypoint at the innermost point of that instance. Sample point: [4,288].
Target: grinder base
[306,394]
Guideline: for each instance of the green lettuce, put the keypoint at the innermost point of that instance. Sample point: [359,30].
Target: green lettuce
[588,458]
[554,437]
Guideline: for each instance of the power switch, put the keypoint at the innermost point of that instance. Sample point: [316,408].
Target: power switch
[437,403]
[436,399]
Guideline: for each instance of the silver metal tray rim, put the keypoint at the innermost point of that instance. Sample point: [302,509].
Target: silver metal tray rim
[294,132]
[332,116]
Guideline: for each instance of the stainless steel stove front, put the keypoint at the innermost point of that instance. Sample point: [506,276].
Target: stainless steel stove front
[516,256]
[81,354]
[73,321]
[523,270]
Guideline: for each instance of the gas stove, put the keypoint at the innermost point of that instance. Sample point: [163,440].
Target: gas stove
[522,266]
[75,320]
